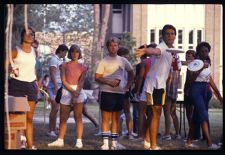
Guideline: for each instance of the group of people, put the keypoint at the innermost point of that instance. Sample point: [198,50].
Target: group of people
[155,86]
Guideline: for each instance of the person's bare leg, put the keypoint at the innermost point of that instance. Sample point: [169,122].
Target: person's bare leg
[128,116]
[156,113]
[29,128]
[148,130]
[78,108]
[89,116]
[115,121]
[141,119]
[53,115]
[175,118]
[64,115]
[205,130]
[167,111]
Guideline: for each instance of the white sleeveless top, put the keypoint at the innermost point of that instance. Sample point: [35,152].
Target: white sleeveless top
[26,64]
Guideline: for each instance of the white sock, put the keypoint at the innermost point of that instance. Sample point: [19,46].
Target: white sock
[114,143]
[106,141]
[60,140]
[79,140]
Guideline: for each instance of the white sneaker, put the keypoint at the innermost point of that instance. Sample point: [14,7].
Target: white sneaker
[131,137]
[23,142]
[57,143]
[191,145]
[118,147]
[34,148]
[105,147]
[156,148]
[52,134]
[79,145]
[213,147]
[48,107]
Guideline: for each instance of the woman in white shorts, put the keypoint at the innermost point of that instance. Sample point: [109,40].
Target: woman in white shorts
[73,97]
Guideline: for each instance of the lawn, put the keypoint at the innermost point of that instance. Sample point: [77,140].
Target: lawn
[92,142]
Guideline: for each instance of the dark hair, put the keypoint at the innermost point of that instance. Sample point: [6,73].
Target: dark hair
[152,45]
[192,52]
[166,27]
[74,48]
[122,51]
[112,39]
[200,45]
[61,47]
[46,75]
[24,31]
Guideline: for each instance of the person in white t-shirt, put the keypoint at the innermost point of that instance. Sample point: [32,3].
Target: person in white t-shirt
[155,83]
[54,84]
[110,75]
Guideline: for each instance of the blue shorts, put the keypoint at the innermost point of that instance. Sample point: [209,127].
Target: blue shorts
[51,92]
[111,102]
[21,88]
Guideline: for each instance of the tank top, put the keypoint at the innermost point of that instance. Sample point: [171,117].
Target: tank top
[25,62]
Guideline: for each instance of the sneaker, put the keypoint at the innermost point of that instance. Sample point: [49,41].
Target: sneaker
[52,134]
[118,147]
[130,137]
[134,134]
[104,147]
[190,145]
[57,143]
[220,144]
[147,145]
[177,137]
[48,107]
[166,137]
[156,148]
[213,147]
[98,133]
[33,148]
[125,133]
[79,145]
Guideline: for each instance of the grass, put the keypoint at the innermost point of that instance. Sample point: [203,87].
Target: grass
[92,142]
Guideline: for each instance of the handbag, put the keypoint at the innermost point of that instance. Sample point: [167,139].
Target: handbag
[58,95]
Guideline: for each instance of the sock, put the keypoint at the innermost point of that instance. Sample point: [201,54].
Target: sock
[114,137]
[79,140]
[60,140]
[105,136]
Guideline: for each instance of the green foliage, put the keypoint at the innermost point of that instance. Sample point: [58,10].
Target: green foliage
[127,40]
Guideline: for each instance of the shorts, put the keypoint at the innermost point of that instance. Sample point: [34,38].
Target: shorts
[51,91]
[67,96]
[19,88]
[157,98]
[111,102]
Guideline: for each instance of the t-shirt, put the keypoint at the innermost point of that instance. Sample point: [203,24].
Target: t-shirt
[160,68]
[55,61]
[73,72]
[114,68]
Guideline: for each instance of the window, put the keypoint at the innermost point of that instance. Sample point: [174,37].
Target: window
[199,36]
[190,40]
[117,18]
[160,36]
[152,36]
[180,36]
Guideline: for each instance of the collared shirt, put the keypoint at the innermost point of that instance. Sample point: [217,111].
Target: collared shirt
[160,68]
